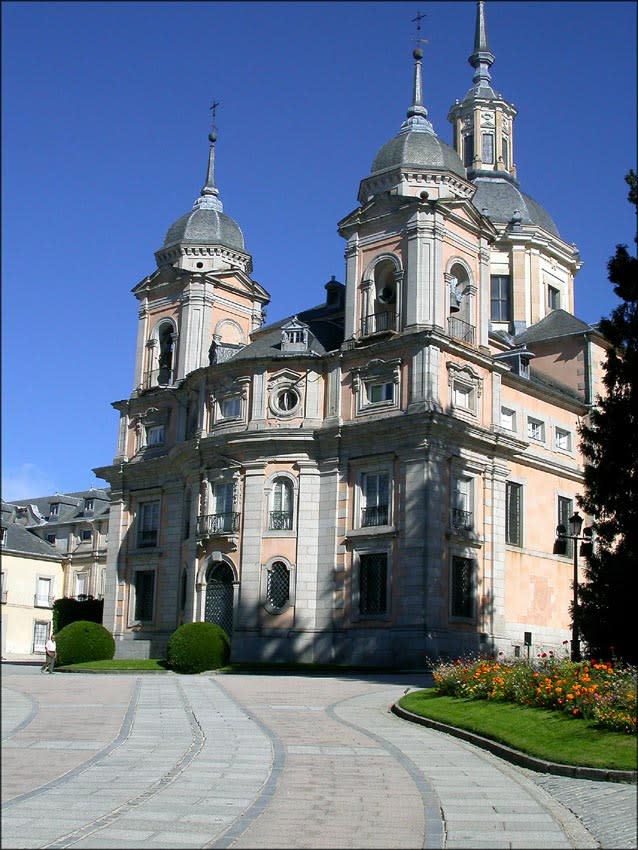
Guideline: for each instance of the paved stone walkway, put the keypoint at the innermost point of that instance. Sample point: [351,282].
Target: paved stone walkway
[252,761]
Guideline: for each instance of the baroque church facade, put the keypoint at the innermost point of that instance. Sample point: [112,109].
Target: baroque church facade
[377,479]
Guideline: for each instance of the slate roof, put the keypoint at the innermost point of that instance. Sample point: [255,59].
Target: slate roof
[417,149]
[71,506]
[558,323]
[205,227]
[500,197]
[325,323]
[19,539]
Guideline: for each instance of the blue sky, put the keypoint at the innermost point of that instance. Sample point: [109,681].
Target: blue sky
[105,110]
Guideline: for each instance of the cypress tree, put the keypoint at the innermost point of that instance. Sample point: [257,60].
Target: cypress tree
[609,442]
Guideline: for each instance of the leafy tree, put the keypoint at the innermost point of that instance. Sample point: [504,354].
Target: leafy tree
[609,442]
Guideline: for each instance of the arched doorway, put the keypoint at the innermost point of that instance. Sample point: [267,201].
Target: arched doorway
[219,596]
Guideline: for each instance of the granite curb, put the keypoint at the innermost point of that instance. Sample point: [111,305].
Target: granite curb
[515,756]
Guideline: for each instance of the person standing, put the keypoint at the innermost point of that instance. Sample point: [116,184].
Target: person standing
[50,650]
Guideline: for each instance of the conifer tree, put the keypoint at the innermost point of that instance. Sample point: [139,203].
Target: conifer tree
[609,442]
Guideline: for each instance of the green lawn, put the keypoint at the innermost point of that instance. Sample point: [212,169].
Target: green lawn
[119,664]
[544,734]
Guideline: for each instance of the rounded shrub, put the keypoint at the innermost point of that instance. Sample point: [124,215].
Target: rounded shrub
[83,641]
[196,647]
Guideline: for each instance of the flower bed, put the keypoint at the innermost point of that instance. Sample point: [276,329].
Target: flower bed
[596,690]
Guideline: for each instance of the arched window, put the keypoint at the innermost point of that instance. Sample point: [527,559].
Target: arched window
[278,586]
[280,517]
[459,306]
[165,359]
[385,296]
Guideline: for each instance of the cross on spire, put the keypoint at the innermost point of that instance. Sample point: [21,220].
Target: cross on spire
[417,21]
[213,110]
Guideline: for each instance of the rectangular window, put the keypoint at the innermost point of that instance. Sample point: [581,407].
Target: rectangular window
[508,418]
[487,147]
[462,508]
[224,507]
[88,506]
[563,440]
[81,584]
[462,591]
[506,151]
[468,150]
[379,393]
[373,578]
[148,530]
[535,429]
[155,435]
[43,593]
[553,298]
[501,298]
[144,590]
[565,510]
[230,408]
[375,498]
[54,509]
[462,396]
[51,539]
[40,635]
[513,514]
[188,504]
[86,534]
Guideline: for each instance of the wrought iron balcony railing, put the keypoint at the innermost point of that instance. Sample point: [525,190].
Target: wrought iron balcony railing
[147,537]
[157,378]
[378,322]
[280,521]
[210,525]
[462,520]
[458,329]
[376,515]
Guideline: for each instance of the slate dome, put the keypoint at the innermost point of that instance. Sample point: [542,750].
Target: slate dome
[501,200]
[419,148]
[205,226]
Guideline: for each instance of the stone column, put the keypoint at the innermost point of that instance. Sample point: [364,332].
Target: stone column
[352,275]
[115,578]
[249,591]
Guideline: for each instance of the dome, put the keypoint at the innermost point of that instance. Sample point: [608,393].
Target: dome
[418,148]
[501,200]
[205,226]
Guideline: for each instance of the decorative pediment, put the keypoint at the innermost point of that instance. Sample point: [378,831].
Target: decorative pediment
[294,335]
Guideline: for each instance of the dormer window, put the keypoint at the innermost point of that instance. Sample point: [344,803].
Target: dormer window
[89,506]
[54,510]
[294,336]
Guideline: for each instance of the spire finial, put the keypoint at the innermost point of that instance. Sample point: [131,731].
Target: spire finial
[417,113]
[481,58]
[209,194]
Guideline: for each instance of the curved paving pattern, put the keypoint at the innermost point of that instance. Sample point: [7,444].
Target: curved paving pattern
[269,761]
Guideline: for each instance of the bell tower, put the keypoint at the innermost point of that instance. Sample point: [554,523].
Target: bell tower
[483,121]
[201,295]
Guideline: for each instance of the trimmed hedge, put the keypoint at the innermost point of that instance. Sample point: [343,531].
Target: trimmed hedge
[83,641]
[197,647]
[66,611]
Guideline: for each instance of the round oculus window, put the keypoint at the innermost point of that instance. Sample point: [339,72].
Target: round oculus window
[285,401]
